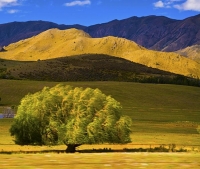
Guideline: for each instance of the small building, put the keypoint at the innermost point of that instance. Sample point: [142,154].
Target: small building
[8,112]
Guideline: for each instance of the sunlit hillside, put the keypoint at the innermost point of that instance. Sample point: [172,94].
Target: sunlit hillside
[58,43]
[191,52]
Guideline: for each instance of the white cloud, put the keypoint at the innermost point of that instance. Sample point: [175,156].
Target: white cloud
[165,3]
[4,3]
[78,3]
[193,5]
[12,11]
[159,4]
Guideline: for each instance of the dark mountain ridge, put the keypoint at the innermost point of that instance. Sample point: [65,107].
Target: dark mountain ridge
[153,32]
[15,31]
[145,31]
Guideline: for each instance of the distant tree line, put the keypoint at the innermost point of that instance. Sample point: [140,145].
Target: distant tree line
[179,80]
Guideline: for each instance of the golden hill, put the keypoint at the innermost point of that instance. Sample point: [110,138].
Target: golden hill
[191,52]
[56,43]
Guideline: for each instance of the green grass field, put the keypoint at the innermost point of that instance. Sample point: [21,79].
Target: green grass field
[132,96]
[154,108]
[159,112]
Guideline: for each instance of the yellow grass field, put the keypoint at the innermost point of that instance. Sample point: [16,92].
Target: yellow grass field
[101,161]
[191,52]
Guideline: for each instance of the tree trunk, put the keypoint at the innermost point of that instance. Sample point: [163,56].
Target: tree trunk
[71,148]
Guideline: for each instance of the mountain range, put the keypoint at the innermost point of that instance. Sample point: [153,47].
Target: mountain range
[144,49]
[152,32]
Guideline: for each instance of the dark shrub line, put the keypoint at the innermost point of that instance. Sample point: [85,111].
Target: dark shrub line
[161,148]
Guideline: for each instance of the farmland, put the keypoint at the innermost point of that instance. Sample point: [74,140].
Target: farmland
[157,111]
[161,114]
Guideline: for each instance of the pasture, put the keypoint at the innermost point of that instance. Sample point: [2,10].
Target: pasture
[161,114]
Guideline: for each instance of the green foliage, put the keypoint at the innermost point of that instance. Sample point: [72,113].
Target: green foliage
[198,129]
[73,116]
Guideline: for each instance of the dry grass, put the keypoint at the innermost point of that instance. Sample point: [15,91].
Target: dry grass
[101,160]
[192,52]
[75,42]
[5,137]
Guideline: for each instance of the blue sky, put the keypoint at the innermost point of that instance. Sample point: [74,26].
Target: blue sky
[90,12]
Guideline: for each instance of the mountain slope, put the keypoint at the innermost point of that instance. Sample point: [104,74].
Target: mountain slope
[86,67]
[152,32]
[56,43]
[191,52]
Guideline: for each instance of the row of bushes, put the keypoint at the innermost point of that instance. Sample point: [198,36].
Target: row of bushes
[161,148]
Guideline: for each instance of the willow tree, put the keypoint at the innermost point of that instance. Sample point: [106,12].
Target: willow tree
[73,116]
[198,129]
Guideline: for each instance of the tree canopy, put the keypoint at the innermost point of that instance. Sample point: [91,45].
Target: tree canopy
[73,116]
[198,129]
